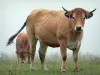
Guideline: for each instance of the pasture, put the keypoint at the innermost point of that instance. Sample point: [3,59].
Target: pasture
[88,65]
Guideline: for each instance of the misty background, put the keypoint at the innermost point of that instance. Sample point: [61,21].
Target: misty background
[13,14]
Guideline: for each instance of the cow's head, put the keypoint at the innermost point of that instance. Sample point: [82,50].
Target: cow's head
[78,15]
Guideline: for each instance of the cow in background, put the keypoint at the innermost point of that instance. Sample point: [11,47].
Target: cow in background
[22,48]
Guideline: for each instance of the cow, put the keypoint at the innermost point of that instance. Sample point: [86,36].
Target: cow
[55,28]
[22,48]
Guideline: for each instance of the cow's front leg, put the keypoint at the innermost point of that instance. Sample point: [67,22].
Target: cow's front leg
[75,58]
[63,54]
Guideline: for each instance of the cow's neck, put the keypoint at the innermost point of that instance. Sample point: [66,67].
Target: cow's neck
[75,36]
[74,40]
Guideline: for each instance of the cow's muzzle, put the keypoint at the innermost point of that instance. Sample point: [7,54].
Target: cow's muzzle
[78,28]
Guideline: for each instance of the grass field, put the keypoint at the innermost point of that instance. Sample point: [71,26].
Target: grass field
[88,65]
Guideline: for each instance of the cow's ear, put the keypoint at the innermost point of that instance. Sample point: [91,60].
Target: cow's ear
[69,14]
[89,14]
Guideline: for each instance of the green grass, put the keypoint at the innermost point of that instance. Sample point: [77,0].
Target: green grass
[88,65]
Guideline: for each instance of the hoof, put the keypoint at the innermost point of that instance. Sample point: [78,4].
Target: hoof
[32,68]
[76,70]
[63,70]
[45,69]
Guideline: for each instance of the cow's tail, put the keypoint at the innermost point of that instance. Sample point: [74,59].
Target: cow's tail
[12,37]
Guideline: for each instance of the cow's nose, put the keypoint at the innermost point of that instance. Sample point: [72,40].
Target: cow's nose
[78,28]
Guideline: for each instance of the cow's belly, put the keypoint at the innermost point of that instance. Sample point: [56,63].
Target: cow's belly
[47,38]
[52,42]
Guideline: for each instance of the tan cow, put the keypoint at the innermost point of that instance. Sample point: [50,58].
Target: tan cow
[55,28]
[22,48]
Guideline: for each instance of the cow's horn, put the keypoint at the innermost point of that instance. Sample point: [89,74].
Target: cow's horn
[92,11]
[64,8]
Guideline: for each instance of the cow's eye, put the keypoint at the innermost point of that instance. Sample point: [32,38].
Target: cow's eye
[73,17]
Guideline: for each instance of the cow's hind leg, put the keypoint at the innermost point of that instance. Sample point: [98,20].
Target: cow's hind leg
[33,50]
[42,53]
[32,43]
